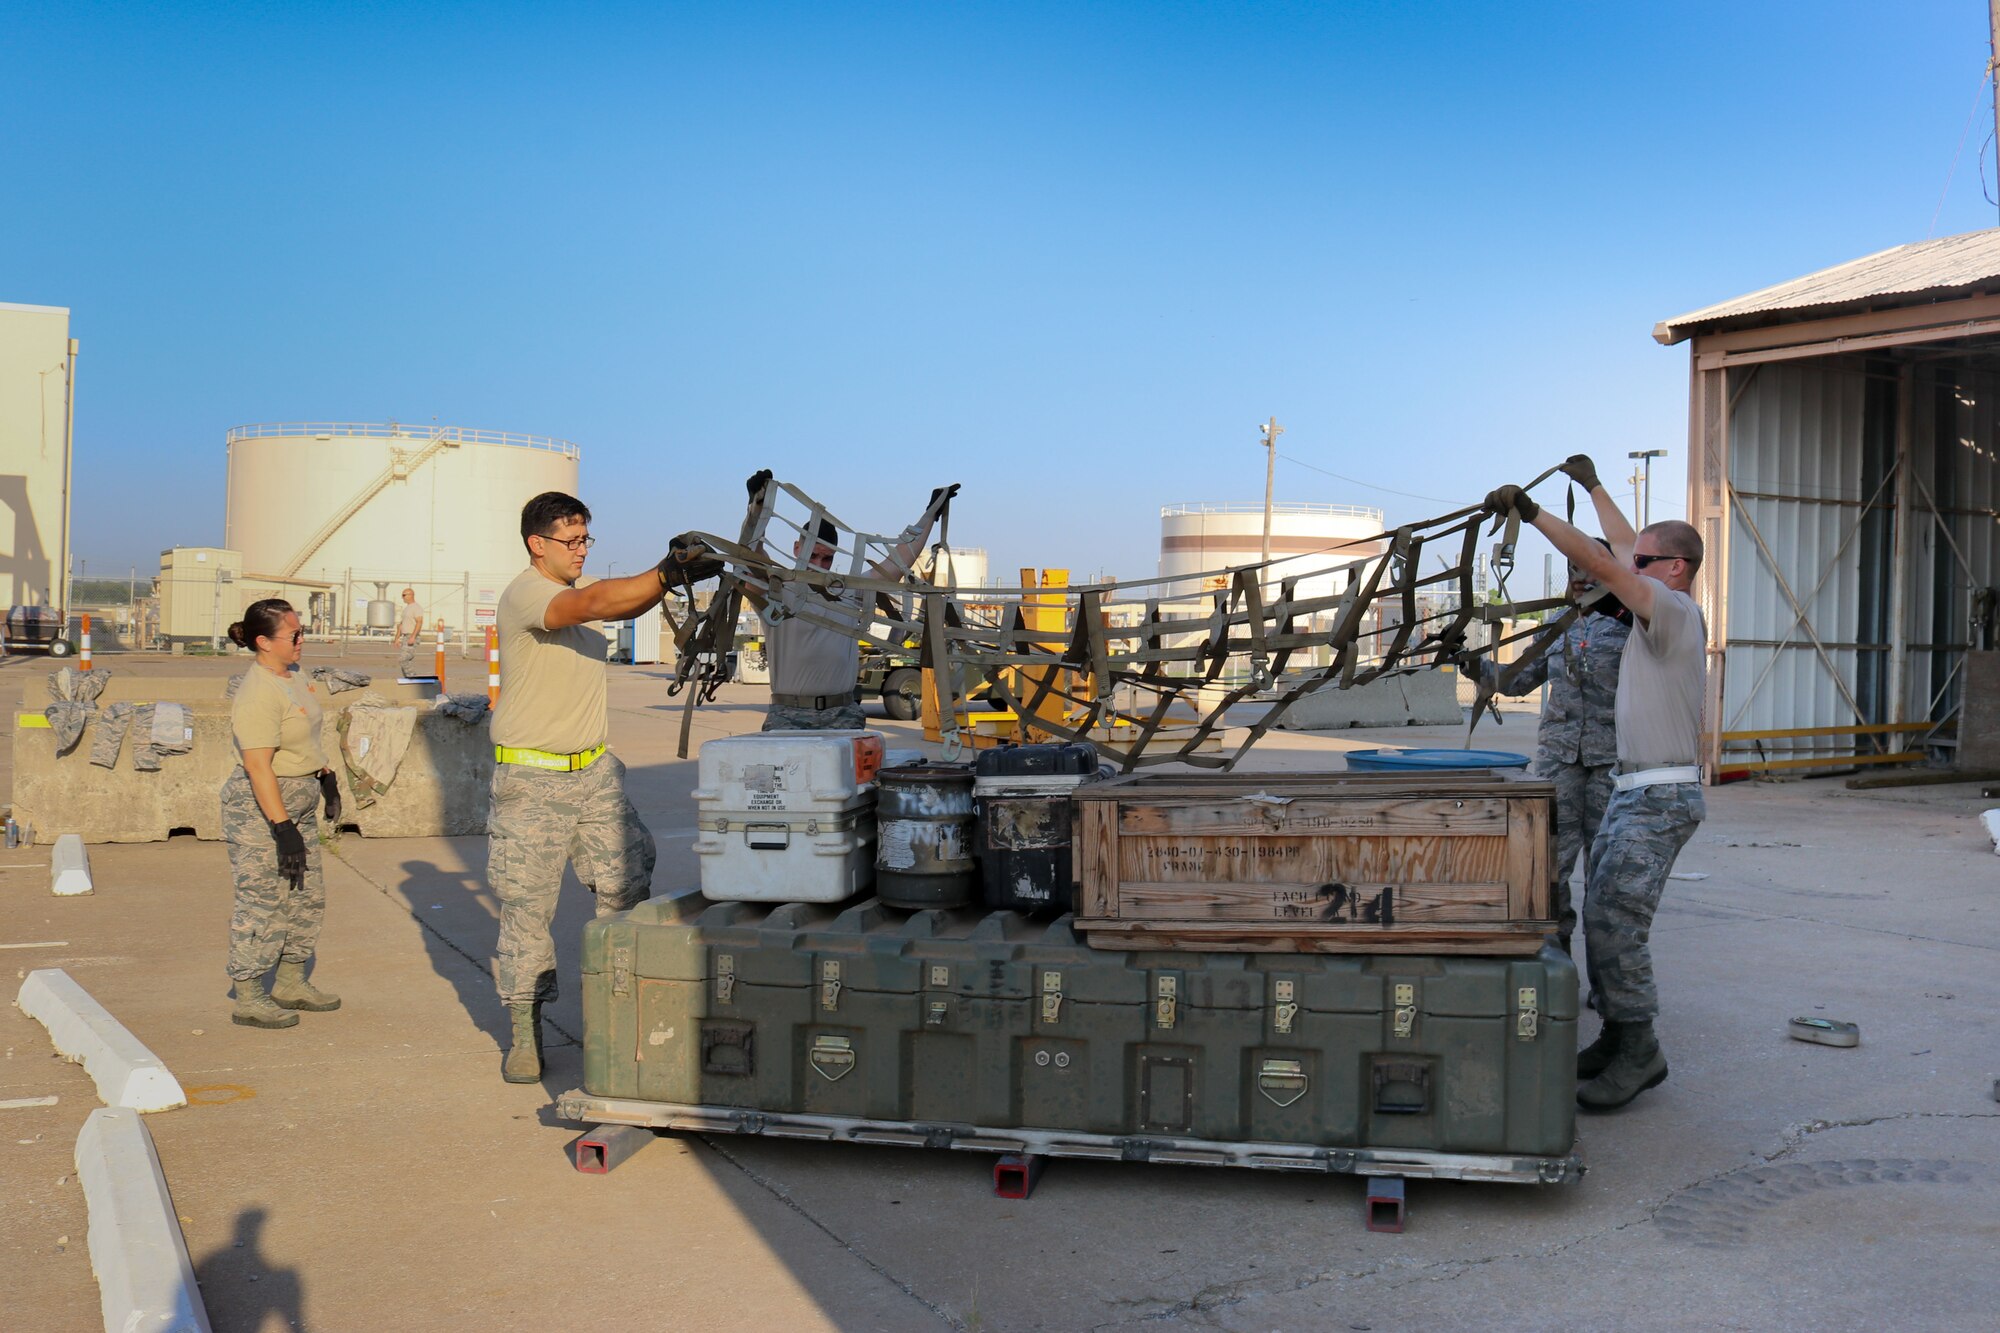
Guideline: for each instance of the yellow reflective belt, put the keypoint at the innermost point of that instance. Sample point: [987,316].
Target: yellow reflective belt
[562,763]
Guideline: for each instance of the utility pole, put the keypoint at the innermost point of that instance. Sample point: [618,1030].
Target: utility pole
[1645,505]
[1271,430]
[1993,65]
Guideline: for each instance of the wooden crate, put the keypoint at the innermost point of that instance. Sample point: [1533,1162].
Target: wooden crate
[1316,863]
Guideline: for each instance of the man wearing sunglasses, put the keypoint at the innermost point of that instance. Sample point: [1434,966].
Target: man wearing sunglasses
[1656,800]
[558,793]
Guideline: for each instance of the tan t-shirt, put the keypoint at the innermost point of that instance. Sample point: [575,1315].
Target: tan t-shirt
[551,680]
[271,713]
[410,620]
[1661,681]
[809,659]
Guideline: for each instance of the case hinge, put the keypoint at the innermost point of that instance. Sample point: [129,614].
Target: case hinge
[1165,1006]
[1405,1016]
[1527,1023]
[725,977]
[1051,996]
[1287,1009]
[829,985]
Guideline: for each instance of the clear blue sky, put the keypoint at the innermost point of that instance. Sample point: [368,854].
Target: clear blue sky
[1068,255]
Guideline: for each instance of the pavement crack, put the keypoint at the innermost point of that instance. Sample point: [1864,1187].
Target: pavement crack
[1795,1136]
[479,964]
[1752,914]
[771,1188]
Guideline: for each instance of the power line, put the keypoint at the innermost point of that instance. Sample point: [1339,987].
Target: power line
[1369,485]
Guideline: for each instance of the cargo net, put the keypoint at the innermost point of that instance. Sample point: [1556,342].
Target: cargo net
[1112,664]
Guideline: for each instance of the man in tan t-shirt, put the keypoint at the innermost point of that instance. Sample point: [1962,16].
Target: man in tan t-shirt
[409,629]
[558,793]
[1656,800]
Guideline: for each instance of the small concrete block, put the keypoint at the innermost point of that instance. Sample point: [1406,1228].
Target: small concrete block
[144,1278]
[1992,821]
[69,867]
[126,1073]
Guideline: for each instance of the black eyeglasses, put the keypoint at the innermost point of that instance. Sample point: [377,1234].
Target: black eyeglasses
[574,543]
[1641,561]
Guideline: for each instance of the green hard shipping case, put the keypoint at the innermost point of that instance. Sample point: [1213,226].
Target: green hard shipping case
[993,1030]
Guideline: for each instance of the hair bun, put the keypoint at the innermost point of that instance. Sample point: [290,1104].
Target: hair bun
[236,635]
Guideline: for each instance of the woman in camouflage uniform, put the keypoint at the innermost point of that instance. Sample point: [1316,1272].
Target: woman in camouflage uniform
[270,818]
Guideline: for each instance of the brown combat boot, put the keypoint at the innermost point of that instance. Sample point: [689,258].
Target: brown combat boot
[292,991]
[1638,1065]
[1593,1059]
[256,1009]
[524,1060]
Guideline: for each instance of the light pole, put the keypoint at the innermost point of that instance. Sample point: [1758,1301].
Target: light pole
[1270,430]
[1646,495]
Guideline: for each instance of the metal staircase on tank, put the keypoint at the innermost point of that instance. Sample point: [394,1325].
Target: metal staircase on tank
[401,466]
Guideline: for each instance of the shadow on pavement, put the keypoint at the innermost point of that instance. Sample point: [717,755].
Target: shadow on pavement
[241,1287]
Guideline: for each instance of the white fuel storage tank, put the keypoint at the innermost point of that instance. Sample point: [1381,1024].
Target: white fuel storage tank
[1308,540]
[433,508]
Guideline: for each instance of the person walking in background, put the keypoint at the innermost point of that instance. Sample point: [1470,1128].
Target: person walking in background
[270,820]
[409,633]
[558,793]
[1576,745]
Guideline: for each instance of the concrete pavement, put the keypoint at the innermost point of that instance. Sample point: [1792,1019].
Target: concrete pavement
[368,1169]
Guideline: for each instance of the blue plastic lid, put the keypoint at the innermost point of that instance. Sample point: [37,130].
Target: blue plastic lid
[1389,761]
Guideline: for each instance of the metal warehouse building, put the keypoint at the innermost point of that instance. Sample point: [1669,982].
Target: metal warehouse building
[1841,468]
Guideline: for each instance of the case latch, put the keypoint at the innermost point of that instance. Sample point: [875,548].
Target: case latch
[1527,1023]
[829,985]
[940,976]
[1165,1005]
[1405,1016]
[1287,1009]
[725,977]
[1051,996]
[935,1013]
[621,967]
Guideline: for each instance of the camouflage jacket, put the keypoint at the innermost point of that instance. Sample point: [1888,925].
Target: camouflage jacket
[1579,722]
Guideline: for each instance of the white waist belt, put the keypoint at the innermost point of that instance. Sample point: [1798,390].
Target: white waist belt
[1653,777]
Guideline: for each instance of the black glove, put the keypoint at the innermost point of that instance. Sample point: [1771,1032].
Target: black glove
[291,851]
[1579,469]
[758,481]
[1511,500]
[688,561]
[943,493]
[329,790]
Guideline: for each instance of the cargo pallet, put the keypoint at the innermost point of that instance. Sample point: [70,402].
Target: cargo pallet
[582,1107]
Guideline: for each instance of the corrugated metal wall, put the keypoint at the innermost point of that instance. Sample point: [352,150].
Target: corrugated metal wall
[1801,467]
[1812,450]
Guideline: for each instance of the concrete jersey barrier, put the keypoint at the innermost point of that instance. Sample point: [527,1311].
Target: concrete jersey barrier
[440,788]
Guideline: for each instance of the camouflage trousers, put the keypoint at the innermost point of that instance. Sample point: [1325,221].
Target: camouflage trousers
[1581,793]
[541,818]
[782,717]
[273,922]
[1643,831]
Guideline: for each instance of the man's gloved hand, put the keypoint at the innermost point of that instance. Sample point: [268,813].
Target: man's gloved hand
[1579,469]
[329,790]
[1511,500]
[943,493]
[688,561]
[291,851]
[758,481]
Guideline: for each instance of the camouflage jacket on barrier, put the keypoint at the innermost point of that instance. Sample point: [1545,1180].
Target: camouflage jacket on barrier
[1579,722]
